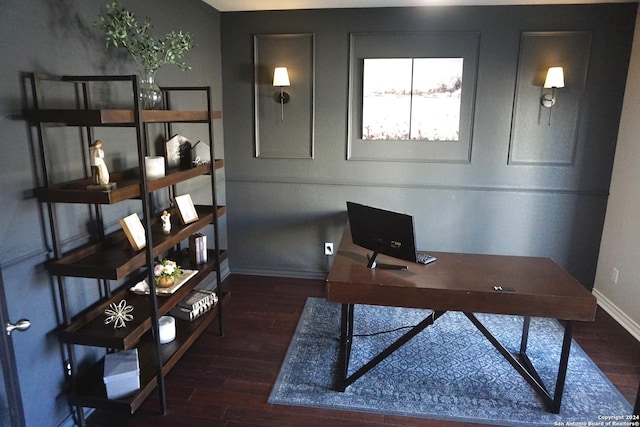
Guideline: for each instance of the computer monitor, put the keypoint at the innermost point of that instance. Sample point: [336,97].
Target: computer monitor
[383,232]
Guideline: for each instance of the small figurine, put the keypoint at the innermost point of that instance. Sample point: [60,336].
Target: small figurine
[99,171]
[166,222]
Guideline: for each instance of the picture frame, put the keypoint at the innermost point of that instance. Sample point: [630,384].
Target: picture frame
[187,211]
[463,47]
[421,103]
[134,230]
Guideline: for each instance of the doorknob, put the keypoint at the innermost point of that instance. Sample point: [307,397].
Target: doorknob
[21,325]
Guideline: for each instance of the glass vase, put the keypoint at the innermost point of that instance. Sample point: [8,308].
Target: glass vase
[150,93]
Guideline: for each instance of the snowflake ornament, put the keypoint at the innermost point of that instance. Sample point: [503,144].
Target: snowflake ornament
[118,314]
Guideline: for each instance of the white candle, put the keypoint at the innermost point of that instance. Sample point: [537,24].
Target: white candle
[155,166]
[167,327]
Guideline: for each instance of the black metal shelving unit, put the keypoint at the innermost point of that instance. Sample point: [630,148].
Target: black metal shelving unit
[108,256]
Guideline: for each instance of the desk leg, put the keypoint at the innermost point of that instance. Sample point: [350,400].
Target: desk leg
[554,405]
[530,370]
[564,363]
[346,340]
[525,335]
[525,368]
[636,408]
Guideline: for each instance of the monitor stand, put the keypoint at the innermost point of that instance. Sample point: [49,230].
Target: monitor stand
[373,264]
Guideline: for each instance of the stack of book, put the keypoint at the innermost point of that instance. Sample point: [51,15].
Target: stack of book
[198,248]
[195,304]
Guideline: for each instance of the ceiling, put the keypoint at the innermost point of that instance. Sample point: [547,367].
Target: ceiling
[247,5]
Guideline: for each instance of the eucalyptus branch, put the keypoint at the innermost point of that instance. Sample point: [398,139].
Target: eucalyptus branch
[122,30]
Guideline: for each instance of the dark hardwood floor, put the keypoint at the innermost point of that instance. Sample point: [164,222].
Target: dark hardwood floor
[225,381]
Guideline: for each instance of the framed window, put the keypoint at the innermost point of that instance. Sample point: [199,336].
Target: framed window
[420,101]
[411,96]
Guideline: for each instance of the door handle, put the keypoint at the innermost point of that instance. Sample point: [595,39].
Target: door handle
[20,325]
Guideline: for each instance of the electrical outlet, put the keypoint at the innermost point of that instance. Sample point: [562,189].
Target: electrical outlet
[614,275]
[328,248]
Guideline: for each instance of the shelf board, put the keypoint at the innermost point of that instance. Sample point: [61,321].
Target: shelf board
[89,329]
[114,259]
[117,117]
[128,186]
[91,391]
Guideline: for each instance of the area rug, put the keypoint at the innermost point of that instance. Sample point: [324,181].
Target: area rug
[449,371]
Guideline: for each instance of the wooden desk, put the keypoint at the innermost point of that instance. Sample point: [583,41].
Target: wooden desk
[460,282]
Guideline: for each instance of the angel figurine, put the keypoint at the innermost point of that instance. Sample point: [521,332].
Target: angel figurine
[166,222]
[99,171]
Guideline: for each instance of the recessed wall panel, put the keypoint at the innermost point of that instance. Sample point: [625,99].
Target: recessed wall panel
[284,131]
[541,135]
[462,46]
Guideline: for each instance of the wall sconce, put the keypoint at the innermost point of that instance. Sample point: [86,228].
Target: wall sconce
[281,79]
[554,80]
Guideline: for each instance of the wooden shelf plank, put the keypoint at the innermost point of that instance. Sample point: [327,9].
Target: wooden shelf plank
[91,391]
[89,329]
[114,259]
[128,186]
[117,117]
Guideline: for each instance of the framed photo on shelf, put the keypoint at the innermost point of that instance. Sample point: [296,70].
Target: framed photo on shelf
[186,209]
[134,230]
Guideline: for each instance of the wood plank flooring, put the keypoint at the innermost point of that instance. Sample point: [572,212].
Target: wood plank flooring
[225,381]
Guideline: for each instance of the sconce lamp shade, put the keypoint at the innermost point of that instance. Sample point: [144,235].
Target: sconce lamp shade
[281,77]
[555,78]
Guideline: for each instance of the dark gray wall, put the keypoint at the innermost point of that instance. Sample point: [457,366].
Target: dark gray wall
[59,37]
[281,211]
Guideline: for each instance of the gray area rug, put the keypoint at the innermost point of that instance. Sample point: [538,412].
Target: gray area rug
[449,371]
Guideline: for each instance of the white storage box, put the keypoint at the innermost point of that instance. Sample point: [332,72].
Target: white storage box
[121,373]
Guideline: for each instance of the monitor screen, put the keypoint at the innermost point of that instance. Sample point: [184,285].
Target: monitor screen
[382,231]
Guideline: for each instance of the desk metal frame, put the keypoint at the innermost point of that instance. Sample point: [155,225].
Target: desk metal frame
[520,361]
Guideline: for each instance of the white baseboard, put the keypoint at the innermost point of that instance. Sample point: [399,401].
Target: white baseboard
[614,311]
